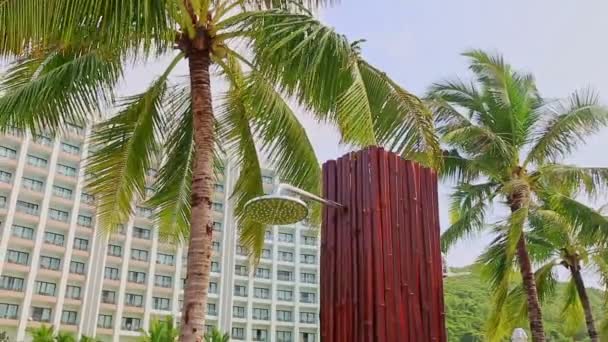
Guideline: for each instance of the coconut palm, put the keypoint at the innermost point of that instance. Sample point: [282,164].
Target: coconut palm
[161,331]
[504,143]
[216,336]
[68,56]
[43,333]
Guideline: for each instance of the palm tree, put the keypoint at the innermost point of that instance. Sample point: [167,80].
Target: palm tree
[44,333]
[216,336]
[505,143]
[161,331]
[564,232]
[69,55]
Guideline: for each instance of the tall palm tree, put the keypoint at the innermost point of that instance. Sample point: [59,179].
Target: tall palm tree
[504,143]
[69,55]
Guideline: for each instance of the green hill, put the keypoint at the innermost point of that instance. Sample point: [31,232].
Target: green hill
[467,301]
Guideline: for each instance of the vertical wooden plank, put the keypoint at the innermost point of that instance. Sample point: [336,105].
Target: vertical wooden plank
[331,248]
[394,208]
[380,305]
[361,256]
[426,266]
[368,246]
[387,244]
[414,282]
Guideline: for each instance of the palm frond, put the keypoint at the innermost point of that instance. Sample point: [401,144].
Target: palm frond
[458,168]
[546,280]
[445,96]
[588,180]
[173,183]
[570,125]
[43,92]
[572,314]
[126,147]
[467,211]
[591,226]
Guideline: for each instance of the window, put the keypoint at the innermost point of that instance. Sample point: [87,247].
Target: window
[219,187]
[139,254]
[41,314]
[141,233]
[44,288]
[238,333]
[134,300]
[284,275]
[76,267]
[307,337]
[215,266]
[81,244]
[87,198]
[115,250]
[238,311]
[286,237]
[8,311]
[74,128]
[259,334]
[308,317]
[2,201]
[54,238]
[308,258]
[240,270]
[267,179]
[5,177]
[285,256]
[217,226]
[111,273]
[260,314]
[62,192]
[309,278]
[69,148]
[240,250]
[218,206]
[72,291]
[37,161]
[6,152]
[32,184]
[50,263]
[285,295]
[131,324]
[66,170]
[69,317]
[165,259]
[212,287]
[284,316]
[266,253]
[137,277]
[150,192]
[284,336]
[85,221]
[23,232]
[240,290]
[17,257]
[43,140]
[104,321]
[58,215]
[161,303]
[27,207]
[309,240]
[263,273]
[143,211]
[211,309]
[268,235]
[11,283]
[216,246]
[308,297]
[120,228]
[262,293]
[108,297]
[162,281]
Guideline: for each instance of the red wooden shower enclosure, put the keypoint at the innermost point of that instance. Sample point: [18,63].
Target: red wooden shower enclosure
[381,265]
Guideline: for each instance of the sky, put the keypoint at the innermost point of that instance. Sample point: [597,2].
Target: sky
[420,42]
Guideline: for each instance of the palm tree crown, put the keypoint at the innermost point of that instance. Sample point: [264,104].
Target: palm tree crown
[505,144]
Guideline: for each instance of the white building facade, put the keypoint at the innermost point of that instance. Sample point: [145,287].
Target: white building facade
[57,269]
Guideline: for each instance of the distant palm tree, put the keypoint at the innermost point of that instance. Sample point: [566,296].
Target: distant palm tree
[161,331]
[505,143]
[63,336]
[216,336]
[69,56]
[44,333]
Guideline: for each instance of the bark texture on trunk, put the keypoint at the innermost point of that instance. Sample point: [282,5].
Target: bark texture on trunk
[582,293]
[201,230]
[534,312]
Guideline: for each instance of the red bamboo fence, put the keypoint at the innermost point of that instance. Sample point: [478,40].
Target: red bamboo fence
[381,265]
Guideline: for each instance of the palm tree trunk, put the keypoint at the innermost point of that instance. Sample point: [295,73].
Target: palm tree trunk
[534,312]
[582,293]
[201,231]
